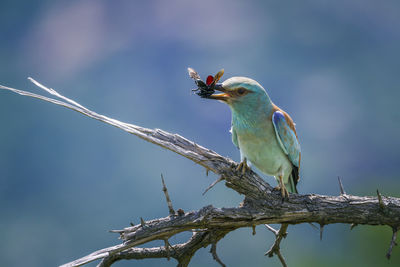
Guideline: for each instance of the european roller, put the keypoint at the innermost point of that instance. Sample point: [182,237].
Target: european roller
[264,133]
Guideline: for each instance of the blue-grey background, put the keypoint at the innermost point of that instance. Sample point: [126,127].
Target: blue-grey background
[65,180]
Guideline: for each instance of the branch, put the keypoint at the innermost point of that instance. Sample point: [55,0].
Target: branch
[392,242]
[299,209]
[183,253]
[276,249]
[213,251]
[254,188]
[261,205]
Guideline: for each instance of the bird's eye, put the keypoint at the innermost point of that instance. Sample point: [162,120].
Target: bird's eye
[241,91]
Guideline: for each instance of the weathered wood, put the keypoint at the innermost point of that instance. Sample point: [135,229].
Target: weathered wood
[262,205]
[298,209]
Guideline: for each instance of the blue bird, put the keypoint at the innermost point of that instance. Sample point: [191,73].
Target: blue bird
[264,133]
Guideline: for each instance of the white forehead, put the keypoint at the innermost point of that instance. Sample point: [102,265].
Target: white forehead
[236,82]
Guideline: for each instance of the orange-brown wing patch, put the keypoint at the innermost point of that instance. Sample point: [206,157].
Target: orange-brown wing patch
[287,117]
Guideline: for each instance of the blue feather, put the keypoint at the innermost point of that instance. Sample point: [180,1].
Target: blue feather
[286,137]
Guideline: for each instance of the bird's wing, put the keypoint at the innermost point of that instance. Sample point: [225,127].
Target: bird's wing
[286,135]
[234,137]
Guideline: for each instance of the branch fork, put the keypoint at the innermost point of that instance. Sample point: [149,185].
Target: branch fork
[275,248]
[211,224]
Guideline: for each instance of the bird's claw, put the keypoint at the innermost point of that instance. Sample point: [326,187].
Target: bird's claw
[243,167]
[284,192]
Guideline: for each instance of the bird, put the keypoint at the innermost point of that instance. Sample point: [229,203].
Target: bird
[264,133]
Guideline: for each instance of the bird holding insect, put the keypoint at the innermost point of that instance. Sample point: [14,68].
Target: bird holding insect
[264,133]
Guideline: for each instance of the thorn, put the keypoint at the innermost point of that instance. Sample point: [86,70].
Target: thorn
[214,183]
[380,201]
[254,229]
[142,222]
[353,225]
[342,192]
[169,202]
[321,230]
[392,243]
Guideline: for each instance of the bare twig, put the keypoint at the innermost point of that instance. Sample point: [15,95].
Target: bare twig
[213,251]
[392,242]
[214,183]
[342,192]
[273,230]
[169,202]
[275,248]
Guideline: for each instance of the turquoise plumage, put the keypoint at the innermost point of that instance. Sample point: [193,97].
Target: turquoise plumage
[264,133]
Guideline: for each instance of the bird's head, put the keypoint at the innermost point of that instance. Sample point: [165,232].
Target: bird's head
[241,93]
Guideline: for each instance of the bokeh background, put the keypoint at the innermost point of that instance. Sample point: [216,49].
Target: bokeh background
[65,180]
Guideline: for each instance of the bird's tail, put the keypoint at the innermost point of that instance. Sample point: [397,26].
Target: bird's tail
[292,181]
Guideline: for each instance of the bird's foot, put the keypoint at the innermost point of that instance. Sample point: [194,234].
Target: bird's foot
[243,167]
[284,192]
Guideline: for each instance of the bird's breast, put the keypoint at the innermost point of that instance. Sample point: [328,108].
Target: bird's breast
[260,146]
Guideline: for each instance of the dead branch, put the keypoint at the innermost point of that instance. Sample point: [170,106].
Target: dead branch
[392,242]
[213,251]
[167,198]
[183,253]
[276,247]
[210,224]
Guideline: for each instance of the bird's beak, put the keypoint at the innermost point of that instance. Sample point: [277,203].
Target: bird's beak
[224,96]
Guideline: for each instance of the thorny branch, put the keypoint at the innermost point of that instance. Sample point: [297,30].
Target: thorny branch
[167,198]
[209,224]
[183,253]
[275,248]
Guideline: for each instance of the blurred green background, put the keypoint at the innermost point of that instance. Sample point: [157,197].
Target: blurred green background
[65,180]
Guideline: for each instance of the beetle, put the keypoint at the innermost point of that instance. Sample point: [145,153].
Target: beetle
[205,89]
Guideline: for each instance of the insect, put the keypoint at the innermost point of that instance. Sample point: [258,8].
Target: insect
[205,89]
